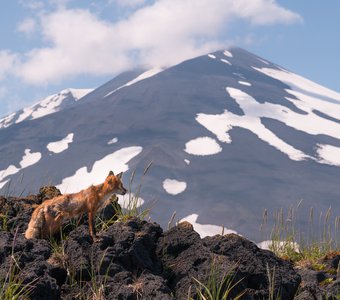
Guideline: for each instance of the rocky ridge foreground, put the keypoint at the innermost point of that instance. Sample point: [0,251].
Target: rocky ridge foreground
[138,260]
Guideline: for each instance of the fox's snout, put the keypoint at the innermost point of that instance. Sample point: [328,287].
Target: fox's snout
[123,191]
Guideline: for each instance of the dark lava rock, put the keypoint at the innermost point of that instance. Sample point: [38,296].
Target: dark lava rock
[122,261]
[137,260]
[260,269]
[15,213]
[320,280]
[312,276]
[332,261]
[333,290]
[27,260]
[47,192]
[185,257]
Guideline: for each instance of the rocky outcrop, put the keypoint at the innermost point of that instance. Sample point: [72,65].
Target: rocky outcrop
[262,272]
[184,257]
[137,260]
[320,280]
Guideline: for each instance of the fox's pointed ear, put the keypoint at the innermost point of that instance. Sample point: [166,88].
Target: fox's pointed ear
[120,175]
[110,174]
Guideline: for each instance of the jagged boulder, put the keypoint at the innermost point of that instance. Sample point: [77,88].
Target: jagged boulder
[123,257]
[15,213]
[185,258]
[262,271]
[27,260]
[47,192]
[320,280]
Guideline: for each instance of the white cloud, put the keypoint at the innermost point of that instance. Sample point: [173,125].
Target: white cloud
[81,44]
[32,4]
[129,3]
[27,26]
[3,91]
[159,34]
[264,12]
[7,62]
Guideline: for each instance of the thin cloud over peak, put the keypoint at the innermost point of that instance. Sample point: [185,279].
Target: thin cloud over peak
[128,3]
[78,41]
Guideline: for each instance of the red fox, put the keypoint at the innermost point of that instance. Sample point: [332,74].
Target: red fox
[50,215]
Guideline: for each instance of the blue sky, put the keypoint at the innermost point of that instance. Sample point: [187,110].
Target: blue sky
[50,45]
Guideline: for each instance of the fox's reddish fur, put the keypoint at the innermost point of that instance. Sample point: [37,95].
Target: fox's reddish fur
[50,215]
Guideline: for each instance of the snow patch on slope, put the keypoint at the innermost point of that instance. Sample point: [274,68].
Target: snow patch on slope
[62,145]
[112,141]
[299,83]
[78,94]
[145,75]
[226,61]
[129,201]
[310,123]
[310,97]
[202,146]
[7,121]
[309,104]
[174,187]
[244,83]
[227,53]
[329,154]
[49,105]
[264,61]
[10,170]
[117,162]
[2,183]
[27,160]
[206,229]
[280,246]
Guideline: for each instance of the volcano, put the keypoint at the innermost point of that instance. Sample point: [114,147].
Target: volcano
[229,134]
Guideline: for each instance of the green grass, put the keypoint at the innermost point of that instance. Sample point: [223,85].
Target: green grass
[219,286]
[272,295]
[4,221]
[103,225]
[96,286]
[11,287]
[288,241]
[133,206]
[92,289]
[58,254]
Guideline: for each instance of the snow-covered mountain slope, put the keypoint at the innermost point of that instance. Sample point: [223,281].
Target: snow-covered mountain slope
[229,134]
[49,105]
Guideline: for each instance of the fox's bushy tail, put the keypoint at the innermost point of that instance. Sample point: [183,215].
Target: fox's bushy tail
[36,224]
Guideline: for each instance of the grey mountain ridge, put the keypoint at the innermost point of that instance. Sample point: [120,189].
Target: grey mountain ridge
[232,187]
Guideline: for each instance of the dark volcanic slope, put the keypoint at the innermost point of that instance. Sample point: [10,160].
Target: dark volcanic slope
[271,160]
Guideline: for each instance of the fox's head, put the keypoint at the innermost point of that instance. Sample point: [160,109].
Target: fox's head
[114,183]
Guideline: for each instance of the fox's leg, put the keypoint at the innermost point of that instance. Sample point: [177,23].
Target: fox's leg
[59,216]
[92,228]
